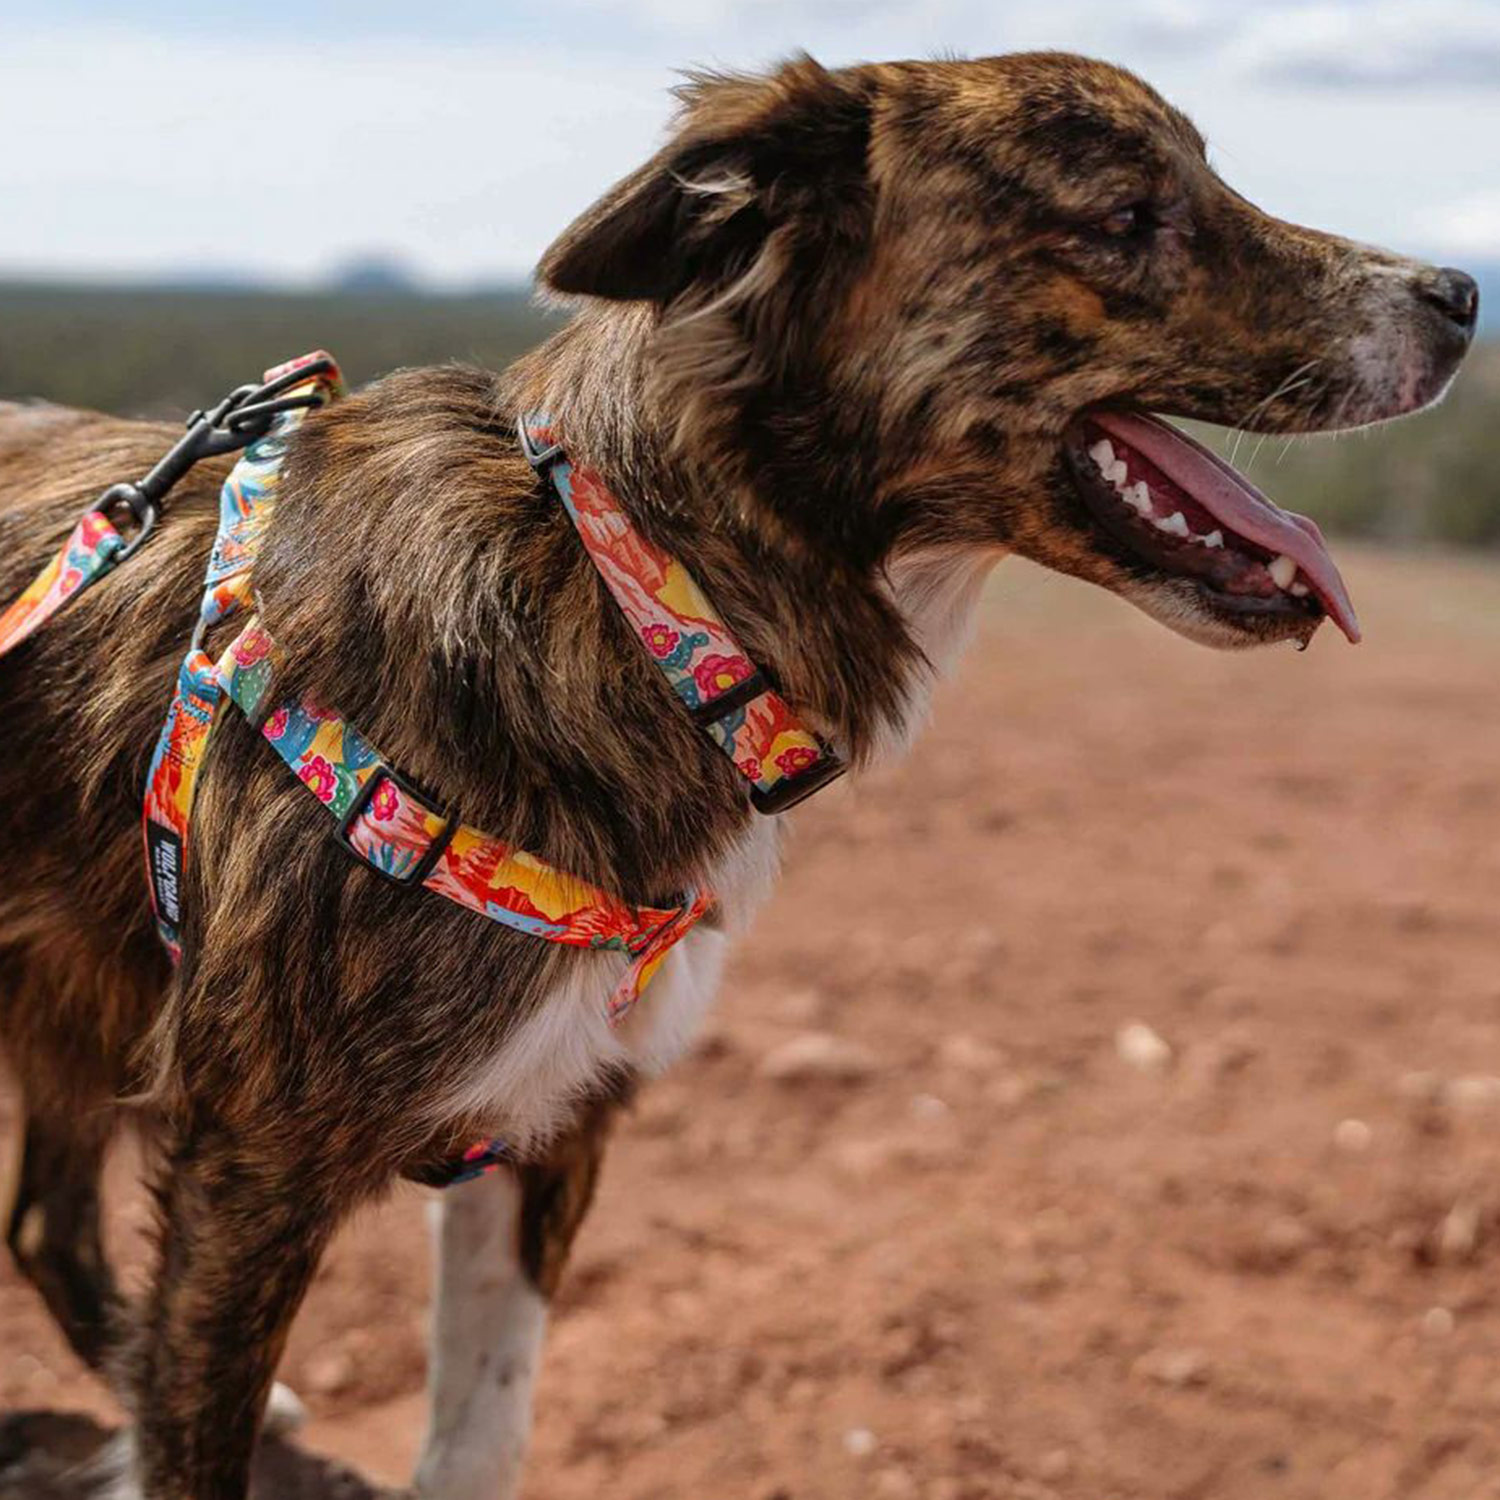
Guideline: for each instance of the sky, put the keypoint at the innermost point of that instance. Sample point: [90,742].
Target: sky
[158,139]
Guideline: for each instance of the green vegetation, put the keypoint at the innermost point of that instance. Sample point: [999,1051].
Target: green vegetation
[163,351]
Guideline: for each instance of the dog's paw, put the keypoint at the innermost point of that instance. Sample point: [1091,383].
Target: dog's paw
[285,1413]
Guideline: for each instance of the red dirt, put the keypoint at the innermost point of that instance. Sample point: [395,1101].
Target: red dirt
[1008,1262]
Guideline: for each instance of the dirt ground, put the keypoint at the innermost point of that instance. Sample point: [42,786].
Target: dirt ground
[1023,1250]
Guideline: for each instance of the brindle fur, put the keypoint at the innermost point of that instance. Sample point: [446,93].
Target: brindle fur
[841,319]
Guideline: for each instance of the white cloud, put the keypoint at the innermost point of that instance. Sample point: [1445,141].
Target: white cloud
[464,155]
[1471,226]
[1382,44]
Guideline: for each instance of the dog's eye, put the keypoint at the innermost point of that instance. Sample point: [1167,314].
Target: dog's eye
[1129,219]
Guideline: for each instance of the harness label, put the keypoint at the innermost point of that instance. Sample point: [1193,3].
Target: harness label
[164,860]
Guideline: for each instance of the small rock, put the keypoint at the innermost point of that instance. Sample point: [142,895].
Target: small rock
[860,1442]
[1011,1090]
[1474,1092]
[803,1006]
[1140,1047]
[328,1372]
[930,1107]
[817,1055]
[1458,1236]
[1286,1239]
[1057,1464]
[969,1056]
[1352,1136]
[1178,1368]
[1437,1322]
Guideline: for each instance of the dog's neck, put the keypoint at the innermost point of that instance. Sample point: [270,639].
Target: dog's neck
[856,647]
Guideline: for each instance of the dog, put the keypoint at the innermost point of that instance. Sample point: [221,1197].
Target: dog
[847,340]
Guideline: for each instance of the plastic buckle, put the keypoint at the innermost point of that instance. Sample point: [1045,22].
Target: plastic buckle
[786,794]
[428,862]
[541,456]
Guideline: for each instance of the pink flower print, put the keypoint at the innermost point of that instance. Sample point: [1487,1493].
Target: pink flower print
[276,724]
[798,758]
[717,674]
[386,802]
[252,646]
[751,767]
[660,639]
[318,774]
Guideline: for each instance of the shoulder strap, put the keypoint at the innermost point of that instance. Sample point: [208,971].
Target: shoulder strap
[730,699]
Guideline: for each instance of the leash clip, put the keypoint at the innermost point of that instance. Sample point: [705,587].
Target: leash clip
[244,415]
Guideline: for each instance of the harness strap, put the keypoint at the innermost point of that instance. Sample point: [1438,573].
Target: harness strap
[388,823]
[246,502]
[730,699]
[92,549]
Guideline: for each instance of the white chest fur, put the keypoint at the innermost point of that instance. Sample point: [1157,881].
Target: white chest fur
[527,1091]
[559,1054]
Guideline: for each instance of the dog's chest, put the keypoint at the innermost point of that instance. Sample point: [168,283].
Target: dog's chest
[527,1090]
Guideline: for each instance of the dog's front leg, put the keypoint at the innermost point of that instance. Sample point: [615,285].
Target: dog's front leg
[487,1327]
[242,1233]
[502,1245]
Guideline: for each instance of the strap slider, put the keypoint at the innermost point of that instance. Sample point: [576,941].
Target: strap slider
[421,868]
[533,431]
[791,790]
[741,695]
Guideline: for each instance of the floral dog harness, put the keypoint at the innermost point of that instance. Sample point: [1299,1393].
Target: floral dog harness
[383,820]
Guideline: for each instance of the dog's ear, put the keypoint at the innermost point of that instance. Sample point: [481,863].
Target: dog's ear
[749,154]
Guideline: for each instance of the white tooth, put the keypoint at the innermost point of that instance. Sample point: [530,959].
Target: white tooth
[1139,495]
[1299,590]
[1282,570]
[1103,454]
[1118,473]
[1214,539]
[1175,524]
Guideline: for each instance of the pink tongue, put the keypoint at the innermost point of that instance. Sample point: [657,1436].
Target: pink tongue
[1236,503]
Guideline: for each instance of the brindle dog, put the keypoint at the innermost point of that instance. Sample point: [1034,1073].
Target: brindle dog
[848,339]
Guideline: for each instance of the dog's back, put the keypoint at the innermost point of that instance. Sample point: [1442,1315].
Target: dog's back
[81,702]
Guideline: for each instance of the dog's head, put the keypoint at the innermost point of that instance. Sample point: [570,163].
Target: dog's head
[935,304]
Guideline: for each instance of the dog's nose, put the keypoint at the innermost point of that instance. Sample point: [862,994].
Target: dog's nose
[1453,294]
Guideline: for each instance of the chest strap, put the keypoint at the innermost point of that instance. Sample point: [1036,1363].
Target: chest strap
[728,696]
[387,823]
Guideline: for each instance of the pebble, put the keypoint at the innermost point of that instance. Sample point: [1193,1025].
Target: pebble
[1057,1464]
[1472,1092]
[817,1055]
[329,1372]
[1458,1236]
[1437,1322]
[860,1442]
[930,1107]
[1353,1136]
[969,1055]
[1287,1238]
[1178,1368]
[1140,1047]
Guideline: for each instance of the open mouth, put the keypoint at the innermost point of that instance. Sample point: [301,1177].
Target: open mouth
[1182,511]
